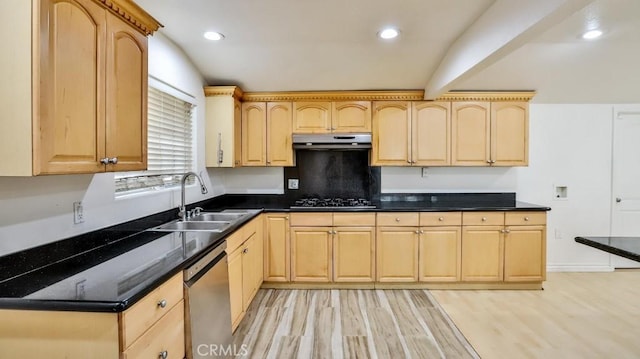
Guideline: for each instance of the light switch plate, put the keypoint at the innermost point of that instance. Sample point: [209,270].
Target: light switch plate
[293,183]
[424,172]
[78,213]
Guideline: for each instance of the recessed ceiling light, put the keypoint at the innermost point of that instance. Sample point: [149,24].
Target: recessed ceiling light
[592,34]
[213,36]
[388,33]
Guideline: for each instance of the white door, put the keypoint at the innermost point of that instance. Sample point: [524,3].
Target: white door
[625,216]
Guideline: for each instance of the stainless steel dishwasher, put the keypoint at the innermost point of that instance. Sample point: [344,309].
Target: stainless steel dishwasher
[207,313]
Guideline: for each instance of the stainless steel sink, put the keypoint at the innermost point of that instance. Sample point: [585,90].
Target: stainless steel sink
[217,216]
[195,226]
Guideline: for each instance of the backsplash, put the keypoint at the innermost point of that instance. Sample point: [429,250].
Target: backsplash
[324,174]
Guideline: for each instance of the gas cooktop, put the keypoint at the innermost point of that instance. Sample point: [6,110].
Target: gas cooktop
[337,203]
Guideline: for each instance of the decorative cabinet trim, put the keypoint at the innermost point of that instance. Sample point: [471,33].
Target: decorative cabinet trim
[235,91]
[404,95]
[133,14]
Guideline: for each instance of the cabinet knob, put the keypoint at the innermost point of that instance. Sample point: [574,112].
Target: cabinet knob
[286,218]
[493,161]
[162,303]
[417,231]
[408,161]
[507,231]
[268,162]
[104,161]
[113,160]
[334,232]
[333,128]
[421,231]
[246,250]
[330,232]
[163,354]
[488,161]
[397,219]
[441,219]
[484,219]
[526,218]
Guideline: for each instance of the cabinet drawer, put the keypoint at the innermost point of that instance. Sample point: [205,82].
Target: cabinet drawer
[398,219]
[354,219]
[483,218]
[142,315]
[166,335]
[525,218]
[440,218]
[312,219]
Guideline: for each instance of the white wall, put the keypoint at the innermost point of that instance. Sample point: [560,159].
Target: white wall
[250,180]
[39,210]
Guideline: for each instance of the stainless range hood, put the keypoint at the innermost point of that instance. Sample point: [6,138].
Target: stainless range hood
[332,141]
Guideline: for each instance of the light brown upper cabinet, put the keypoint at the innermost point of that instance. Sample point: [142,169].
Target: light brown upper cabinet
[391,131]
[266,134]
[332,117]
[223,139]
[430,133]
[411,133]
[490,134]
[76,87]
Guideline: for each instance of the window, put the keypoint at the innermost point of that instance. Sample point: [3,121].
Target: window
[170,148]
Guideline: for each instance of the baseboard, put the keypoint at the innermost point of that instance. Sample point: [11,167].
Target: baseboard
[579,268]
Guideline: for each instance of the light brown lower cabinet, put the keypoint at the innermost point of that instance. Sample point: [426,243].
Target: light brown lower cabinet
[354,254]
[440,254]
[311,254]
[145,330]
[525,254]
[277,251]
[482,253]
[397,254]
[245,265]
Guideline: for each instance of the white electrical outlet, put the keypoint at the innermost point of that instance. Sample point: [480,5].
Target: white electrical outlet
[293,183]
[78,213]
[424,172]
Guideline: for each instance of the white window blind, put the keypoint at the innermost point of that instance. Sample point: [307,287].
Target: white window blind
[169,145]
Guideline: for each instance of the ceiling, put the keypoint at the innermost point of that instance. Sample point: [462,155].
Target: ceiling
[297,45]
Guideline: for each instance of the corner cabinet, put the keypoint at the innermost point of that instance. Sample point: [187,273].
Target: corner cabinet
[222,126]
[76,88]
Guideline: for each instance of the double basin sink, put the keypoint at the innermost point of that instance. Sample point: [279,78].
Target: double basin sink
[205,222]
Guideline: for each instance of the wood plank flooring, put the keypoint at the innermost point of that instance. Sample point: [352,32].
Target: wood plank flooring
[578,315]
[349,324]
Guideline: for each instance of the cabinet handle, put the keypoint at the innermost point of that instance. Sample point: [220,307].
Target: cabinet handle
[397,219]
[421,231]
[408,161]
[162,303]
[286,218]
[330,232]
[163,354]
[526,218]
[268,162]
[104,161]
[334,232]
[507,231]
[484,219]
[503,231]
[488,161]
[113,160]
[417,231]
[441,219]
[493,161]
[246,250]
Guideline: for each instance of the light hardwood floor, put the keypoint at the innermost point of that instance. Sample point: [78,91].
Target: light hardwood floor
[577,315]
[348,324]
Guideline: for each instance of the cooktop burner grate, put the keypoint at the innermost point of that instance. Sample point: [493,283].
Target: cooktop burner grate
[354,203]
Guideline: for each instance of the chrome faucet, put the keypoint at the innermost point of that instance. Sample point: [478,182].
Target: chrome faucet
[182,210]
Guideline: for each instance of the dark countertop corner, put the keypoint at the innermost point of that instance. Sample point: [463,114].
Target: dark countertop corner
[627,247]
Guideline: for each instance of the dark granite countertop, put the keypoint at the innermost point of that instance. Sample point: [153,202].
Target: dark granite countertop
[628,247]
[110,269]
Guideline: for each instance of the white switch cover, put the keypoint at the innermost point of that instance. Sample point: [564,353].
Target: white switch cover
[424,172]
[293,183]
[78,213]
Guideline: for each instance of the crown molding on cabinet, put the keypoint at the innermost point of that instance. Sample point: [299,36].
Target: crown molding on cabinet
[235,91]
[130,12]
[404,95]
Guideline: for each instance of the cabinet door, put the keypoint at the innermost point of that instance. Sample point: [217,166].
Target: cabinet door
[236,159]
[397,254]
[391,131]
[509,133]
[354,254]
[482,253]
[440,254]
[431,133]
[470,134]
[258,255]
[524,254]
[69,127]
[254,134]
[279,149]
[351,117]
[311,254]
[311,117]
[126,106]
[235,286]
[248,271]
[276,248]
